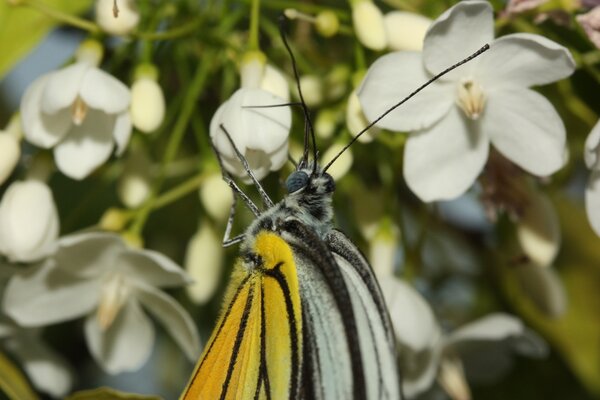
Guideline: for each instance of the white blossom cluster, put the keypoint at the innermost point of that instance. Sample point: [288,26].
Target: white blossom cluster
[481,130]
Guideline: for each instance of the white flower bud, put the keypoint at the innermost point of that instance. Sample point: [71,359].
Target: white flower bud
[405,30]
[252,69]
[538,230]
[216,197]
[342,165]
[134,184]
[327,23]
[312,89]
[28,222]
[204,261]
[356,120]
[368,24]
[273,81]
[147,104]
[119,21]
[10,152]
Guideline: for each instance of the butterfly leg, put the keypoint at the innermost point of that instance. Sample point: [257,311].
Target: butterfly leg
[227,240]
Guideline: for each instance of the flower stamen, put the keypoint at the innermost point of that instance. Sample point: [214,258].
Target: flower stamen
[471,98]
[113,296]
[78,111]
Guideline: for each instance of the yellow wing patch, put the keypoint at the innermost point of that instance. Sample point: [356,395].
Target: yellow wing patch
[255,350]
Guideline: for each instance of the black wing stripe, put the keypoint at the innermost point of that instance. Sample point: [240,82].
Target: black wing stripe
[310,246]
[341,245]
[222,323]
[263,378]
[276,274]
[238,342]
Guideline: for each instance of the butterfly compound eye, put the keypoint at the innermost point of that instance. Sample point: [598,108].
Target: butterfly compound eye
[296,181]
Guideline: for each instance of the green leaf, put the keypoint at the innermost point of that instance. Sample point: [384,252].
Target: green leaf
[21,28]
[106,393]
[12,381]
[575,335]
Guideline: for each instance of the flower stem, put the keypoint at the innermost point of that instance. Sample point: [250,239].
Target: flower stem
[254,24]
[60,15]
[179,191]
[189,103]
[183,30]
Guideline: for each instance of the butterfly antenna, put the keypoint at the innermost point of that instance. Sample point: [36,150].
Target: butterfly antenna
[309,133]
[389,110]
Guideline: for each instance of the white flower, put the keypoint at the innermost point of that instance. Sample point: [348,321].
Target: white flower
[147,102]
[426,352]
[98,276]
[81,112]
[368,24]
[405,30]
[204,263]
[47,370]
[485,101]
[28,222]
[592,191]
[356,120]
[118,21]
[260,134]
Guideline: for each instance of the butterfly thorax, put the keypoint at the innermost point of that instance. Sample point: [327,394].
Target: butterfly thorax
[308,201]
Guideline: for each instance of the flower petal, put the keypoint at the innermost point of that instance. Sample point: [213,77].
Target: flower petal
[173,317]
[494,327]
[41,129]
[45,294]
[442,162]
[591,152]
[47,370]
[122,132]
[62,88]
[412,318]
[126,345]
[104,92]
[86,146]
[88,254]
[523,60]
[153,268]
[592,201]
[526,129]
[456,34]
[393,77]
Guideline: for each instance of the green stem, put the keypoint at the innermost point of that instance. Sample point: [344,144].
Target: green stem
[183,30]
[254,24]
[61,16]
[179,191]
[189,104]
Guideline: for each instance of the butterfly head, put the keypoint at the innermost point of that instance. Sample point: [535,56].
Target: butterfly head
[310,181]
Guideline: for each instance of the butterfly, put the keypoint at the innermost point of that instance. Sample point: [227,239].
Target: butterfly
[303,316]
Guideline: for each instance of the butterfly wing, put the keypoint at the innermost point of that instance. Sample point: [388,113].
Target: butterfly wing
[348,343]
[373,322]
[256,348]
